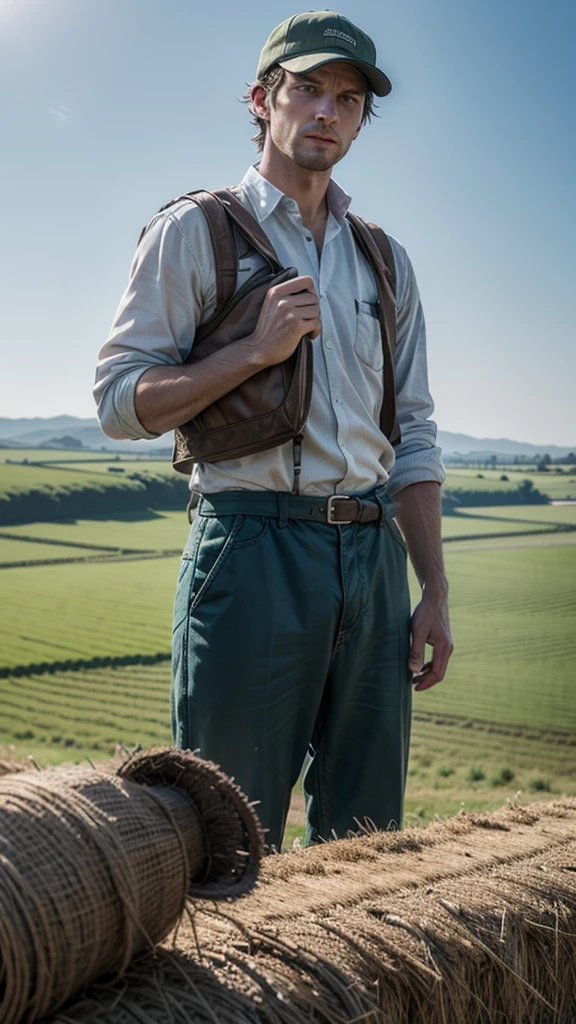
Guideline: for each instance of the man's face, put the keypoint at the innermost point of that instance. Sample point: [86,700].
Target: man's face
[317,115]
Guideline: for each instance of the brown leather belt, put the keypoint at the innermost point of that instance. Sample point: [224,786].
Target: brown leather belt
[337,509]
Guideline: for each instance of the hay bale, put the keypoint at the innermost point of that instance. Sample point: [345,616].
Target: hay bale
[8,767]
[95,867]
[232,835]
[470,921]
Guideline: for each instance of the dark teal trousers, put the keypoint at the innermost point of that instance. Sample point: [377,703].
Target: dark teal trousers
[290,638]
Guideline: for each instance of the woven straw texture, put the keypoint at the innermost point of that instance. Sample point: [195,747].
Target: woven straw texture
[470,921]
[11,767]
[95,868]
[232,832]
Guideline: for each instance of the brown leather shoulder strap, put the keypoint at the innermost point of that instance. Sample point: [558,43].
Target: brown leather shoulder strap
[375,245]
[383,243]
[249,227]
[378,253]
[222,208]
[225,261]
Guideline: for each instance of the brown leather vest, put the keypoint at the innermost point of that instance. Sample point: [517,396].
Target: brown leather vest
[271,407]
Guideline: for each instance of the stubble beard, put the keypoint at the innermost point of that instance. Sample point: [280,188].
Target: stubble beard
[316,160]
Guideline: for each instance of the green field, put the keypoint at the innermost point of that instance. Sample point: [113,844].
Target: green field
[503,720]
[167,531]
[16,479]
[469,764]
[23,551]
[14,461]
[478,526]
[560,514]
[512,603]
[70,716]
[555,485]
[86,610]
[36,455]
[513,608]
[151,531]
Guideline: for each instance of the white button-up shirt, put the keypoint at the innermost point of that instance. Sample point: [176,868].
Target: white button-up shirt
[172,289]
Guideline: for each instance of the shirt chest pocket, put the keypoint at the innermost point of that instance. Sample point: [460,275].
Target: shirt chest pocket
[368,340]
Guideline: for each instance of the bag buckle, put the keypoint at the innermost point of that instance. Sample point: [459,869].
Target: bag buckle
[332,510]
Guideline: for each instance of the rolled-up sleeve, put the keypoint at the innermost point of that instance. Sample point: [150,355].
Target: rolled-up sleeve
[171,285]
[418,457]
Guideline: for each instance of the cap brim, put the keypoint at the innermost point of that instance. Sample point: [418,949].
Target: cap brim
[377,80]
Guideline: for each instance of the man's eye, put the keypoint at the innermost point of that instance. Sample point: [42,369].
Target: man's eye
[306,88]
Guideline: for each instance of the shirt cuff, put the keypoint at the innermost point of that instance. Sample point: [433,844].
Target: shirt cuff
[414,468]
[116,411]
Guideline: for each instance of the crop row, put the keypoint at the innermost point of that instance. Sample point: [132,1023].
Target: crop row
[71,715]
[512,618]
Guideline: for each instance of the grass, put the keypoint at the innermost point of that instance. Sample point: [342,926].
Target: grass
[37,455]
[153,531]
[512,616]
[18,479]
[555,485]
[161,531]
[22,551]
[563,515]
[72,716]
[85,610]
[512,611]
[488,765]
[14,461]
[503,720]
[460,526]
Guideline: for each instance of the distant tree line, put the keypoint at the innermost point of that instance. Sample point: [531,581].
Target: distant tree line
[540,462]
[46,503]
[524,494]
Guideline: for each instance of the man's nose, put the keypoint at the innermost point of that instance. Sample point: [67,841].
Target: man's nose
[327,111]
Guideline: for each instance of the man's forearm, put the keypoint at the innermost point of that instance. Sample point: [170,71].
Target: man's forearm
[168,396]
[420,519]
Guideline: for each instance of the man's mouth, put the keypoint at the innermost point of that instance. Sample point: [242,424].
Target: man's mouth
[326,140]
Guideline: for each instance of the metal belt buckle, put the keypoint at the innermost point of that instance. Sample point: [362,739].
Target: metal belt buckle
[331,510]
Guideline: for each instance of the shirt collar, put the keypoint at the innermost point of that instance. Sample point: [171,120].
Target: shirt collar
[265,197]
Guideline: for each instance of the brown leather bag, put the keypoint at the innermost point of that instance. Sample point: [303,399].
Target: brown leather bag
[271,407]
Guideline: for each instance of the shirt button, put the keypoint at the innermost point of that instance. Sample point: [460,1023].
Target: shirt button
[308,238]
[328,344]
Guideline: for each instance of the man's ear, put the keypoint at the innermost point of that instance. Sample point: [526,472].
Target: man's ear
[259,103]
[357,132]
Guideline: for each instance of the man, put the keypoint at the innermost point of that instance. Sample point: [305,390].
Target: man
[293,636]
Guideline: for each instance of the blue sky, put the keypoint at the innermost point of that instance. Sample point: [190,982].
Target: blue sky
[111,107]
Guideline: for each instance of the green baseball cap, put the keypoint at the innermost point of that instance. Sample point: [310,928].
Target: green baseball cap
[306,41]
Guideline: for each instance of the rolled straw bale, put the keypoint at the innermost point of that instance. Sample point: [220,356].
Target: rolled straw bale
[10,767]
[95,868]
[469,921]
[231,830]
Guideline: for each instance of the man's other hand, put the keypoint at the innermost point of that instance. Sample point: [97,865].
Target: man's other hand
[430,625]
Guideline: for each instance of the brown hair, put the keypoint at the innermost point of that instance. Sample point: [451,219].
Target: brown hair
[270,82]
